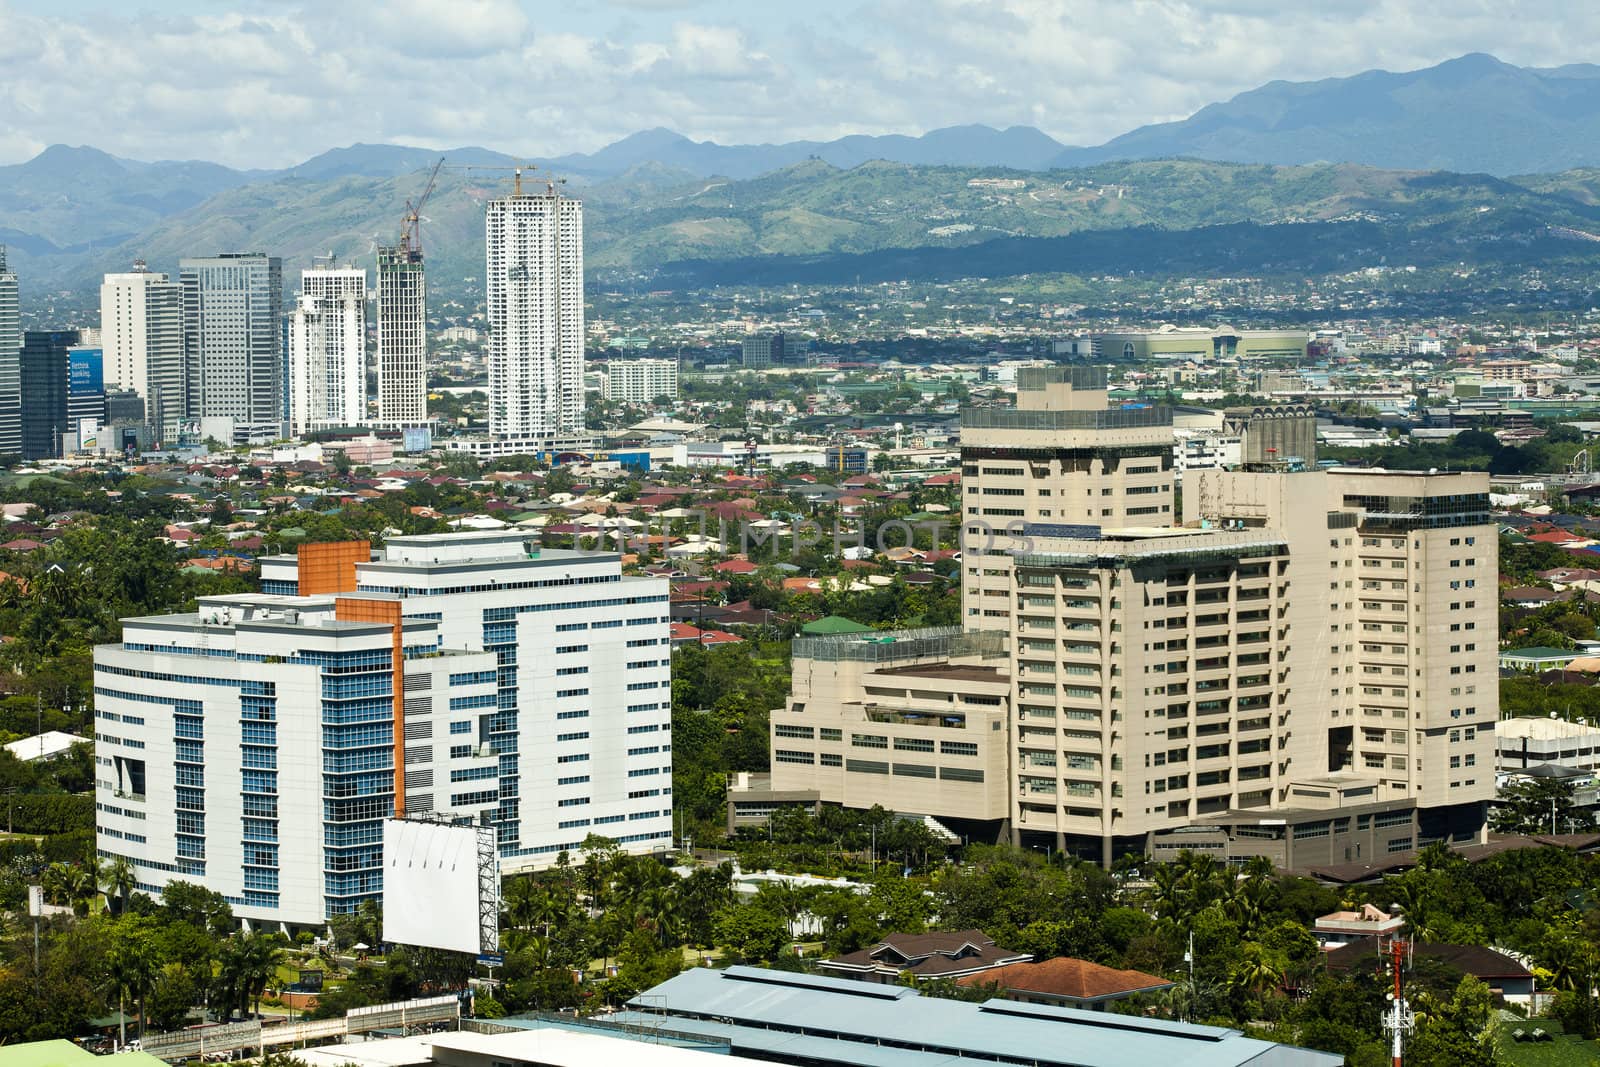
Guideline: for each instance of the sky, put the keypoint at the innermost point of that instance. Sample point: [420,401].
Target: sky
[272,82]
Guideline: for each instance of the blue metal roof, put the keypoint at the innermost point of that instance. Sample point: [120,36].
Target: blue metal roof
[798,1016]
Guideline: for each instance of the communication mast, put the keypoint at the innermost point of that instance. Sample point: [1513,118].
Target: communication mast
[1398,1019]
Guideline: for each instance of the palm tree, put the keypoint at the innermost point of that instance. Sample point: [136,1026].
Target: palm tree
[133,966]
[54,879]
[1166,892]
[118,881]
[1570,961]
[1255,972]
[249,962]
[522,901]
[79,885]
[661,908]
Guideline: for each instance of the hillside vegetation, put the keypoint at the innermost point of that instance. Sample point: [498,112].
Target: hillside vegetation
[908,221]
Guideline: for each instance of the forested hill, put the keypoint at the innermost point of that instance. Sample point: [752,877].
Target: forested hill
[816,222]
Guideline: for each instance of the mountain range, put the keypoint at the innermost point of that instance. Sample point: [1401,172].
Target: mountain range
[657,199]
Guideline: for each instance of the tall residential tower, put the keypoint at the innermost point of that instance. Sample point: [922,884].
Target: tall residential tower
[10,362]
[535,296]
[328,351]
[402,337]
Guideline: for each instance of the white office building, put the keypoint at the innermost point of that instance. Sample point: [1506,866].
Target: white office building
[1204,450]
[233,345]
[402,337]
[583,709]
[141,333]
[249,747]
[328,351]
[641,381]
[536,696]
[535,309]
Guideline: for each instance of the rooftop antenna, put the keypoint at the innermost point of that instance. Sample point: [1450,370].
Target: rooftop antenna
[1398,1020]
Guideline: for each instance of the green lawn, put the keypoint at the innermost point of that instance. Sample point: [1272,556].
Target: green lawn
[1567,1050]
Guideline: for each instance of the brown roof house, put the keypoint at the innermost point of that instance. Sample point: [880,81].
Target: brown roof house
[937,954]
[1504,975]
[1068,982]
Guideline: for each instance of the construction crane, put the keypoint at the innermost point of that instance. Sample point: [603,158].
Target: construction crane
[517,171]
[411,232]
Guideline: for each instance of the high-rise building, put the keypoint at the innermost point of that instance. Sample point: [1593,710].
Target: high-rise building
[535,302]
[581,723]
[251,747]
[45,373]
[1184,686]
[233,344]
[763,350]
[141,327]
[10,362]
[1061,457]
[641,381]
[328,351]
[402,337]
[530,689]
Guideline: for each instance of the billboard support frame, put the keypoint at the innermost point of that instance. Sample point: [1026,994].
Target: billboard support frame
[488,890]
[488,870]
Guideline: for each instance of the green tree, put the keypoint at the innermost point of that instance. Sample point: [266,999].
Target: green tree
[752,934]
[118,881]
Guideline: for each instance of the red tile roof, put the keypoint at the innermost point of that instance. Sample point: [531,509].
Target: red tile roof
[1068,978]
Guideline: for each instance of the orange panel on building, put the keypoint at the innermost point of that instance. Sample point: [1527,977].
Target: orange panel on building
[330,566]
[387,612]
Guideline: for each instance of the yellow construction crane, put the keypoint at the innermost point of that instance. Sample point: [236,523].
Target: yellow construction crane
[516,174]
[410,232]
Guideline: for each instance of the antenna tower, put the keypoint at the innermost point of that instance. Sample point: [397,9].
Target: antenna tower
[1398,1019]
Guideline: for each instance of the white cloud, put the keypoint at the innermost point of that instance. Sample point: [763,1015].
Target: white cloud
[277,81]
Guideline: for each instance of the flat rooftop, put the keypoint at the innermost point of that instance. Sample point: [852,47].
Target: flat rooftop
[956,671]
[793,1018]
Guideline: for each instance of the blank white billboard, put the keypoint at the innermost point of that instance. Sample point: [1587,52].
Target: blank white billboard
[430,885]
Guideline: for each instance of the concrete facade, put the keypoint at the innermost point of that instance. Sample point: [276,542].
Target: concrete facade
[402,337]
[328,351]
[233,344]
[10,361]
[1201,344]
[535,311]
[581,713]
[911,721]
[641,381]
[141,331]
[249,747]
[1194,682]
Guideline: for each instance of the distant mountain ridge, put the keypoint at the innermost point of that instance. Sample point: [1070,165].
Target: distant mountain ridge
[1469,114]
[657,198]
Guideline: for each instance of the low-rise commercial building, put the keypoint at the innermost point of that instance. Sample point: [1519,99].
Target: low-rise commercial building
[913,721]
[784,1017]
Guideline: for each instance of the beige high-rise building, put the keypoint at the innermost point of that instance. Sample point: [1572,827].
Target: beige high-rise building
[1061,458]
[1303,669]
[141,333]
[1403,637]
